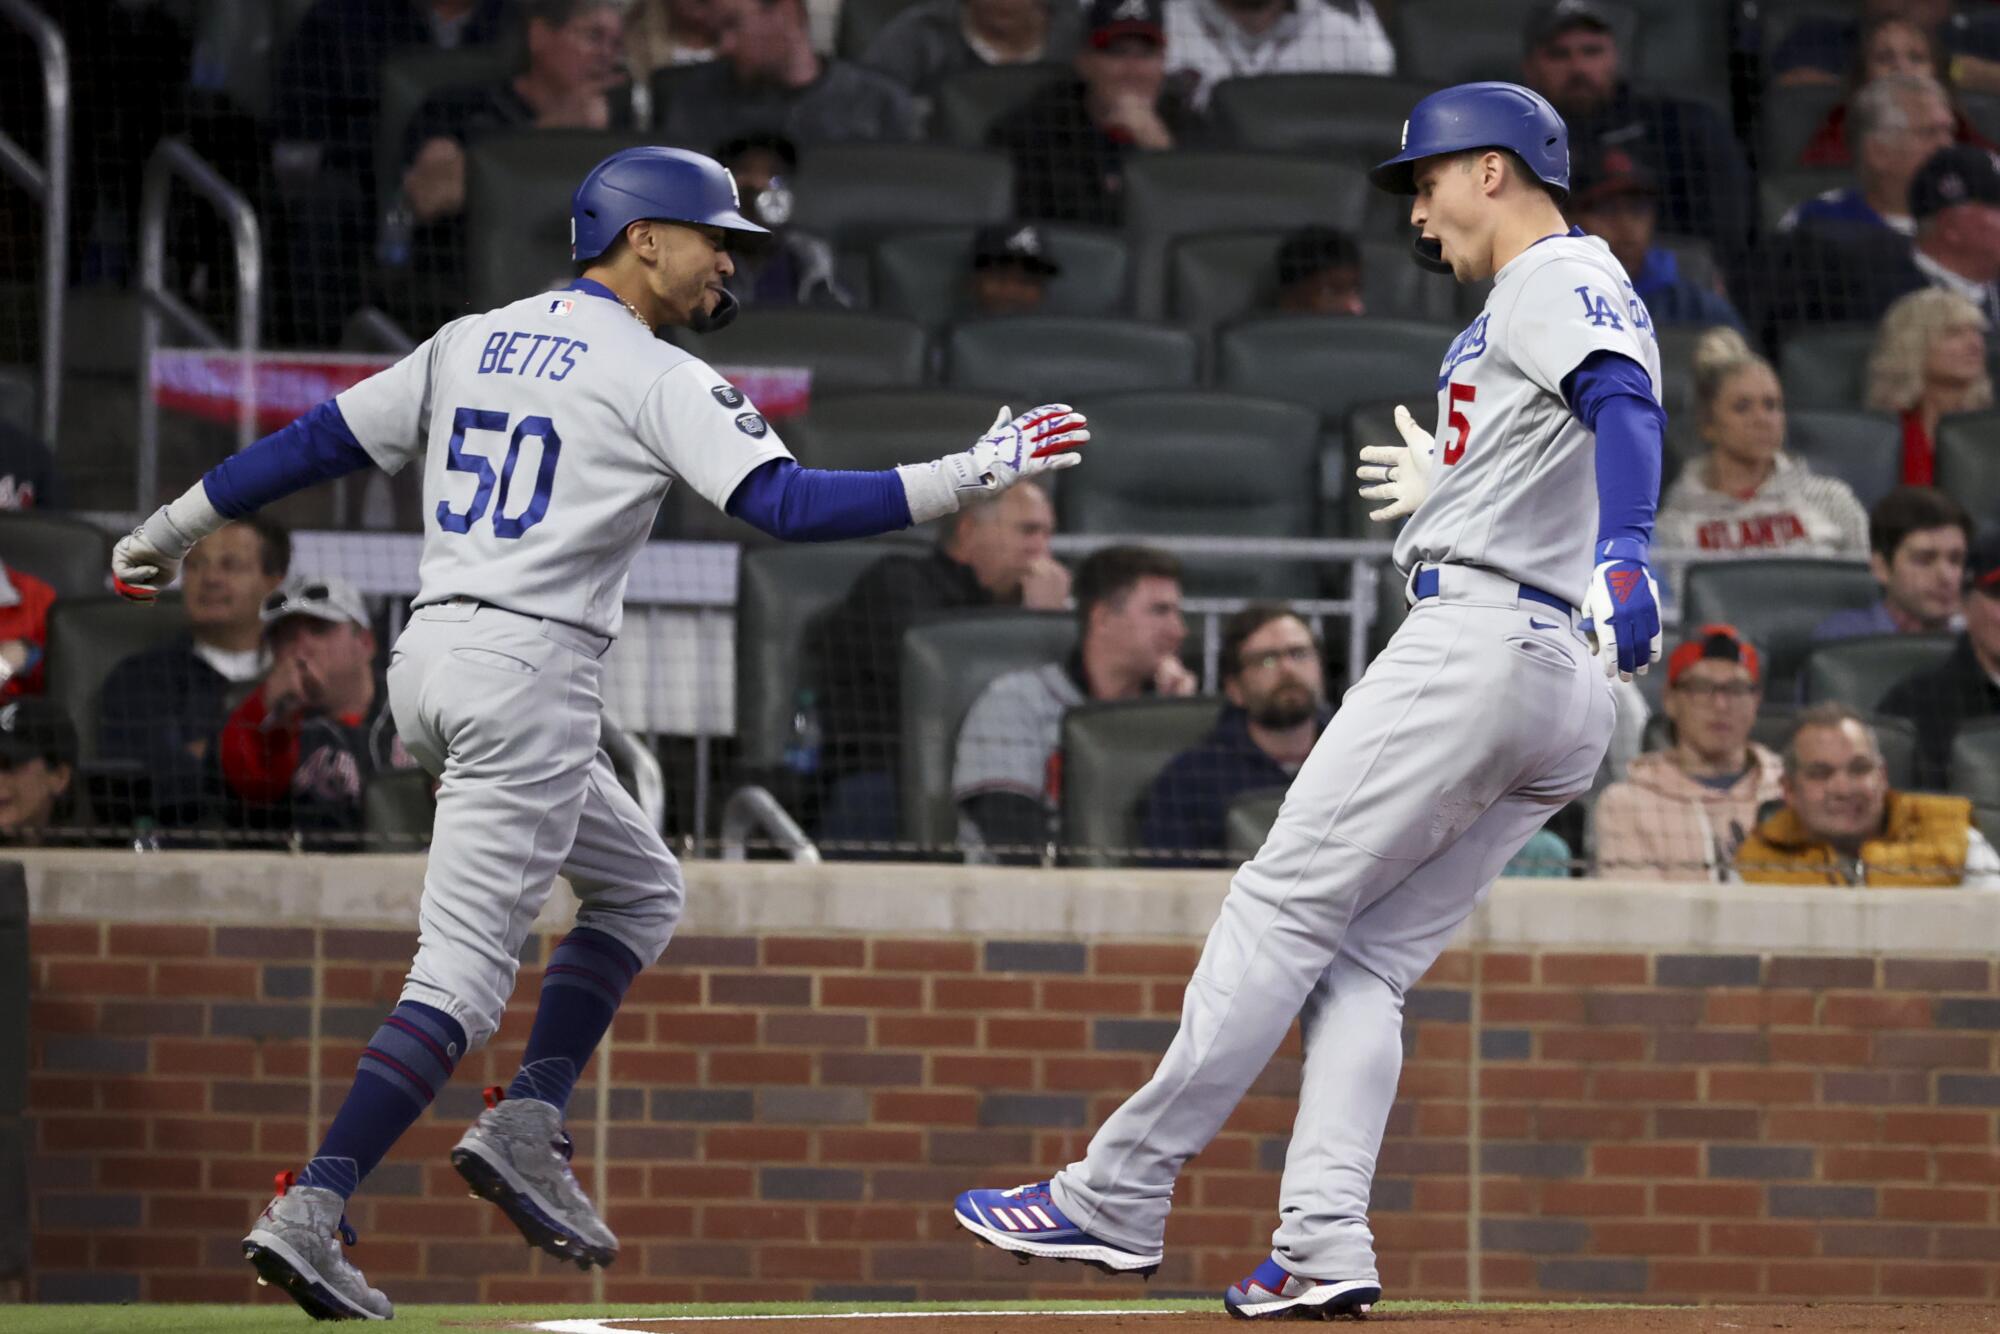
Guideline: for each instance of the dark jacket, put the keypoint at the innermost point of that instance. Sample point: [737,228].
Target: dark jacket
[708,104]
[1185,809]
[1937,700]
[1065,168]
[1705,185]
[924,45]
[161,712]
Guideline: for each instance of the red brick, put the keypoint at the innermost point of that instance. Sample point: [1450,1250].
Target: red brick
[664,987]
[140,1251]
[1757,1009]
[1091,1074]
[1432,1080]
[684,1181]
[348,983]
[220,1212]
[642,1066]
[871,1146]
[1860,1010]
[151,1173]
[1506,969]
[872,993]
[1594,970]
[1626,1238]
[1232,1190]
[1531,1007]
[753,1067]
[1645,1160]
[759,1144]
[926,1030]
[1443,1120]
[983,1072]
[61,1093]
[1592,1199]
[1591,1044]
[1934,1282]
[982,993]
[66,938]
[1845,1164]
[753,1222]
[1507,1121]
[814,952]
[925,956]
[1439,1042]
[222,981]
[1760,1086]
[96,980]
[153,1095]
[1937,1205]
[47,1017]
[1532,1083]
[1813,1125]
[926,1109]
[1648,1086]
[1822,1278]
[877,1223]
[1968,1167]
[158,940]
[1766,1239]
[1820,1049]
[1166,997]
[819,1261]
[1443,1196]
[1721,1199]
[1562,1123]
[1039,1034]
[1936,1128]
[1144,960]
[1085,996]
[1706,1280]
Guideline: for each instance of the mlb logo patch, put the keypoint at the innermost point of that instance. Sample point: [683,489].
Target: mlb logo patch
[561,306]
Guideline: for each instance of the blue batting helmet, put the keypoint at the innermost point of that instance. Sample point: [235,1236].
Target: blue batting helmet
[668,184]
[1481,115]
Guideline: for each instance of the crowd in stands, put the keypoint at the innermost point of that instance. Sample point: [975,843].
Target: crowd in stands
[1843,179]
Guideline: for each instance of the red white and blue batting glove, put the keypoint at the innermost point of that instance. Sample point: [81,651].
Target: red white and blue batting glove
[1623,609]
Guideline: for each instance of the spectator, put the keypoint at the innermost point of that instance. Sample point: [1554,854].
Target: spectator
[930,42]
[1319,273]
[1011,268]
[1822,50]
[1929,361]
[1212,40]
[1274,681]
[1900,120]
[1890,45]
[325,101]
[1571,57]
[1917,540]
[161,710]
[1613,196]
[37,769]
[667,34]
[791,266]
[1070,142]
[1842,825]
[1966,685]
[1007,777]
[1956,200]
[993,554]
[769,80]
[1680,813]
[1746,496]
[27,471]
[300,748]
[24,631]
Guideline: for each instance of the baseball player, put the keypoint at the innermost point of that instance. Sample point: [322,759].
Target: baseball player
[548,430]
[1488,711]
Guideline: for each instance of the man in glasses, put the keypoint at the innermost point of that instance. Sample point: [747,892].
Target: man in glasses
[1276,687]
[1680,813]
[1842,825]
[299,749]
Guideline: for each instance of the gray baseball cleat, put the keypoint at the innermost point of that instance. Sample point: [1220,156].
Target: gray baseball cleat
[296,1243]
[517,1156]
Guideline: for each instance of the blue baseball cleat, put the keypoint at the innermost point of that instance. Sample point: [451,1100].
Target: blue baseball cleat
[1026,1222]
[1273,1292]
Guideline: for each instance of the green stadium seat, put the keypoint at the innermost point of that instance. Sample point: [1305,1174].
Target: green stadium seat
[1355,117]
[1968,462]
[1111,755]
[88,636]
[1858,672]
[1058,359]
[1826,368]
[69,555]
[970,101]
[1775,604]
[854,194]
[1862,449]
[921,275]
[1217,279]
[1975,761]
[517,209]
[844,349]
[1250,819]
[1331,363]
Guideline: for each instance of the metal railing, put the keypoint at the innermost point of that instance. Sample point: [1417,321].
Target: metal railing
[753,811]
[174,161]
[48,183]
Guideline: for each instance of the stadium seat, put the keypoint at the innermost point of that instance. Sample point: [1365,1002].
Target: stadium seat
[1170,195]
[859,21]
[1354,117]
[397,811]
[69,555]
[1775,603]
[780,591]
[1983,110]
[240,44]
[1975,761]
[921,275]
[1780,190]
[1858,672]
[1212,280]
[1683,50]
[1897,738]
[1968,462]
[945,667]
[88,636]
[1825,369]
[1791,116]
[971,100]
[1372,423]
[1111,754]
[1677,390]
[1054,359]
[853,194]
[1862,449]
[1250,819]
[844,349]
[517,197]
[409,78]
[1331,364]
[1443,42]
[888,427]
[1202,464]
[1773,727]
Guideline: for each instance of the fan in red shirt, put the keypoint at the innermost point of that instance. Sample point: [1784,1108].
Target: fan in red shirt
[298,751]
[24,631]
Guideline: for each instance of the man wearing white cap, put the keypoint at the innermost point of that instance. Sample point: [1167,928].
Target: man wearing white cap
[298,750]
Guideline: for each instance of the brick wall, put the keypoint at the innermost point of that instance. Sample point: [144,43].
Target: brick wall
[789,1116]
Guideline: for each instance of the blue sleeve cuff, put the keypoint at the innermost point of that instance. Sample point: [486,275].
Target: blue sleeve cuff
[318,447]
[1613,396]
[798,504]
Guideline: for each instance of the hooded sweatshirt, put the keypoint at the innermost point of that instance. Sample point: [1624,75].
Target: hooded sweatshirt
[1660,824]
[1796,512]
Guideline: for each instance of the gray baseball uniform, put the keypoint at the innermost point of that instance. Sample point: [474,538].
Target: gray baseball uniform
[1420,790]
[497,682]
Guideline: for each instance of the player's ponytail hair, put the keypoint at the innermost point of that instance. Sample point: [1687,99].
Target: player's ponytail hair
[1720,355]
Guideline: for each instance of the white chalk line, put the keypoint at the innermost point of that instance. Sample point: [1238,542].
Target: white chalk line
[599,1325]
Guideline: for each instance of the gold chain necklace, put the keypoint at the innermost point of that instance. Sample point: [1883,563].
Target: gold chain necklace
[633,311]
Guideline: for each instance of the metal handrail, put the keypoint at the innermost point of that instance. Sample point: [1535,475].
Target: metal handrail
[649,781]
[49,185]
[753,809]
[173,160]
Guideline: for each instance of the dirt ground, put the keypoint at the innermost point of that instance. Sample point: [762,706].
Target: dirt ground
[1871,1319]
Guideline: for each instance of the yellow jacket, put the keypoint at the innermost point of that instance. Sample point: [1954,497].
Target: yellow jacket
[1923,843]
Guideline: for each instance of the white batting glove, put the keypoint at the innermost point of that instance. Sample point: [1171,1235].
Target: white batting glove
[148,558]
[1040,440]
[1401,473]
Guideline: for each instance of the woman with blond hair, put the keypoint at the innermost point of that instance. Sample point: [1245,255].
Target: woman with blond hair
[1929,361]
[1746,496]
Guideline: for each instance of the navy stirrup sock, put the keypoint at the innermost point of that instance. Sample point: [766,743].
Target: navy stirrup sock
[586,978]
[406,1063]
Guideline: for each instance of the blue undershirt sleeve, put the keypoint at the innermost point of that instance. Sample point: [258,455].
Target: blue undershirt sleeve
[819,505]
[1613,395]
[318,447]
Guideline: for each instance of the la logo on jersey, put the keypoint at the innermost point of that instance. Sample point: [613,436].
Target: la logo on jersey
[561,306]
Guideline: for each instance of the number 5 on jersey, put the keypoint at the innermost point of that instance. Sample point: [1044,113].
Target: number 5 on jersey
[1461,429]
[461,458]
